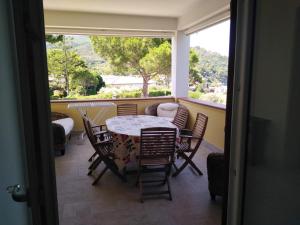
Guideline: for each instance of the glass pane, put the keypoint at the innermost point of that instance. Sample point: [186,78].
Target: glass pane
[273,160]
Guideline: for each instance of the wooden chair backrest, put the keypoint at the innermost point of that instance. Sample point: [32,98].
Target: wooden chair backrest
[181,117]
[200,127]
[126,109]
[89,130]
[102,149]
[157,142]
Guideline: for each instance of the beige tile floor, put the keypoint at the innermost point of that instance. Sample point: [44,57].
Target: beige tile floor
[112,202]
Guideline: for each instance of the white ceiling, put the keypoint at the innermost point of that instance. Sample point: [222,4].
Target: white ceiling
[164,8]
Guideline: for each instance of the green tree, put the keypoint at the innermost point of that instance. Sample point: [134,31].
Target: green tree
[62,66]
[194,72]
[51,38]
[82,81]
[212,66]
[146,57]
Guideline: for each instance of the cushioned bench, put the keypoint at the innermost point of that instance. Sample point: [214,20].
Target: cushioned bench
[62,125]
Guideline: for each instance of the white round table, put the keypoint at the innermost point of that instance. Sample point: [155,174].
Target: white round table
[126,131]
[132,125]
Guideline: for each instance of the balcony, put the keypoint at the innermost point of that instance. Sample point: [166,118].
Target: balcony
[111,201]
[114,202]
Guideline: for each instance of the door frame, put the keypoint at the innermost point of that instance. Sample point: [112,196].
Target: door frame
[32,82]
[229,106]
[35,104]
[245,38]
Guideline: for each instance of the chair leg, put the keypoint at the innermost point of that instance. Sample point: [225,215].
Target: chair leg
[167,173]
[94,166]
[188,160]
[195,167]
[91,158]
[141,189]
[100,175]
[116,172]
[95,163]
[178,170]
[169,189]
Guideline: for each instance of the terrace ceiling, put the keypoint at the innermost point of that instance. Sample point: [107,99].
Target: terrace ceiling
[161,8]
[155,15]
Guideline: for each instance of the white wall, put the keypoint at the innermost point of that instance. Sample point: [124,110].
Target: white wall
[98,21]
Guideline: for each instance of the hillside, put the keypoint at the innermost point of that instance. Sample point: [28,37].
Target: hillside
[212,65]
[83,46]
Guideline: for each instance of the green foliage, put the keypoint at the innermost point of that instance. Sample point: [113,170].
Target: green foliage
[146,57]
[194,73]
[156,92]
[82,81]
[212,66]
[68,73]
[158,60]
[50,38]
[194,94]
[214,97]
[124,93]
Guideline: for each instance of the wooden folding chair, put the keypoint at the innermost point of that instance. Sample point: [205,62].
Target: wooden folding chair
[99,131]
[126,109]
[104,150]
[93,136]
[181,117]
[190,142]
[157,147]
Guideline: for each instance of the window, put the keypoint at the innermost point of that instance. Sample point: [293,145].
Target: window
[209,63]
[104,67]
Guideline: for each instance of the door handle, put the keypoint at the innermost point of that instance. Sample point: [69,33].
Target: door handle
[19,193]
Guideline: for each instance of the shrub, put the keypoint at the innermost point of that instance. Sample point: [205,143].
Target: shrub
[195,94]
[158,91]
[214,97]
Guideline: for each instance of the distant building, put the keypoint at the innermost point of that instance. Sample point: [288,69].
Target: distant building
[124,81]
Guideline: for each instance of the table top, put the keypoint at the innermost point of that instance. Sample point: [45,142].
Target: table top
[132,125]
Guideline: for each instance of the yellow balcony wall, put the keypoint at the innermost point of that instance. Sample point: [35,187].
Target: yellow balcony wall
[215,131]
[216,114]
[62,107]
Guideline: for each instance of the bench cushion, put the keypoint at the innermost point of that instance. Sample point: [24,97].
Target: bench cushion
[66,123]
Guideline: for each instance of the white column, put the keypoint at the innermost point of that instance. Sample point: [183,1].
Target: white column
[180,64]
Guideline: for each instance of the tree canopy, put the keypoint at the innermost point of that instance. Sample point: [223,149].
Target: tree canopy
[146,57]
[68,72]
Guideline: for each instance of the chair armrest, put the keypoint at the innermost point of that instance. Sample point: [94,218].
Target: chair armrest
[101,132]
[101,126]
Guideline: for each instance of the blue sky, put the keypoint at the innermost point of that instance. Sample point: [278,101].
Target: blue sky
[215,38]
